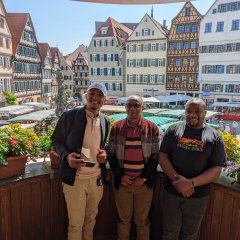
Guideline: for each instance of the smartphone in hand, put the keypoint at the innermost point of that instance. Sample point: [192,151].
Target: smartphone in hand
[89,163]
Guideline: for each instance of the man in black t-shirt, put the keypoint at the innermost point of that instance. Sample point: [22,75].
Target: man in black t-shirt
[192,156]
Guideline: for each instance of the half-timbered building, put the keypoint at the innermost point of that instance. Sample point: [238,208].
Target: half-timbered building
[182,65]
[26,60]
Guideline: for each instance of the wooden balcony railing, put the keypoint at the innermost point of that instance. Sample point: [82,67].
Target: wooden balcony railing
[32,206]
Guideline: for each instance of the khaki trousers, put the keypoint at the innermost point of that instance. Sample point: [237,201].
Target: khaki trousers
[82,204]
[132,201]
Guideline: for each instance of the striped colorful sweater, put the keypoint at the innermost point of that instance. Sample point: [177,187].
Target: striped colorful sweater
[150,149]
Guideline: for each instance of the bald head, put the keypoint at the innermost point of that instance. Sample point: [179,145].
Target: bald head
[197,101]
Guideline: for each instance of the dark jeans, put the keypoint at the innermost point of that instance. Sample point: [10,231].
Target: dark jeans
[182,216]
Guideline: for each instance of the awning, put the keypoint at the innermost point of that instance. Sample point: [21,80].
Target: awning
[226,104]
[36,104]
[173,98]
[37,116]
[131,1]
[15,110]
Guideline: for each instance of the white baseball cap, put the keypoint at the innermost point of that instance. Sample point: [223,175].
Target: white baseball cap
[98,86]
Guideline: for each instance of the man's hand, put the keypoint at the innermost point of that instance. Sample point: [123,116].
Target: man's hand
[101,156]
[71,159]
[183,185]
[127,180]
[188,193]
[138,182]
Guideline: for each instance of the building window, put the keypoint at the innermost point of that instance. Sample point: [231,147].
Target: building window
[222,8]
[138,49]
[179,45]
[220,26]
[193,45]
[235,25]
[103,31]
[187,11]
[178,62]
[194,27]
[1,41]
[187,28]
[191,62]
[179,28]
[185,62]
[1,23]
[146,32]
[153,47]
[171,45]
[208,27]
[185,45]
[131,48]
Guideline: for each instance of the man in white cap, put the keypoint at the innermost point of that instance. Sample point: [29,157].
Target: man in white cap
[79,138]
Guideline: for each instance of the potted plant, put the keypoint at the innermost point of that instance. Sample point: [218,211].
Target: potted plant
[17,145]
[46,147]
[233,155]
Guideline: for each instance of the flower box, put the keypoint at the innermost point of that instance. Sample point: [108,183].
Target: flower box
[15,167]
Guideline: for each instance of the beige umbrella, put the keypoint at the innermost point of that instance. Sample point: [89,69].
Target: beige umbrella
[132,1]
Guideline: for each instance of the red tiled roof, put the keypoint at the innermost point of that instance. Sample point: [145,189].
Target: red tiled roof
[17,23]
[115,29]
[54,51]
[73,56]
[43,47]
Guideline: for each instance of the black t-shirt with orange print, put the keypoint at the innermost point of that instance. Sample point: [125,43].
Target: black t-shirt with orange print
[190,156]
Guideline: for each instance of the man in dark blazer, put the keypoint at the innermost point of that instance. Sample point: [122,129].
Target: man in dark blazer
[79,138]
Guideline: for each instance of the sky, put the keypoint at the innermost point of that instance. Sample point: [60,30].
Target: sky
[67,24]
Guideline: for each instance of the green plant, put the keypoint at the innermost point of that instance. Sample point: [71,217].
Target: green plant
[233,153]
[17,141]
[10,98]
[45,140]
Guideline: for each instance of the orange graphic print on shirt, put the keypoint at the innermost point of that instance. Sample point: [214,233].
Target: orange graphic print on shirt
[191,144]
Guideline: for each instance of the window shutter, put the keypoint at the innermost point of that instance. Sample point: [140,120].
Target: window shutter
[148,78]
[90,57]
[98,57]
[134,47]
[120,87]
[127,48]
[164,46]
[120,71]
[106,43]
[134,62]
[105,71]
[164,62]
[116,57]
[148,32]
[100,43]
[156,62]
[98,71]
[149,47]
[127,62]
[113,71]
[141,47]
[143,32]
[105,57]
[157,46]
[111,57]
[94,43]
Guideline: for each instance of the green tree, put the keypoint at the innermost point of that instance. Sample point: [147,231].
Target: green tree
[11,99]
[61,99]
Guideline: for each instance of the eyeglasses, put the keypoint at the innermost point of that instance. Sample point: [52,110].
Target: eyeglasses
[135,105]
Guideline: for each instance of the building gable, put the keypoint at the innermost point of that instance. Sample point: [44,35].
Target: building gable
[148,28]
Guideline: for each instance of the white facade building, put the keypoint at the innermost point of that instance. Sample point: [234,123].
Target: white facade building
[106,56]
[146,59]
[219,52]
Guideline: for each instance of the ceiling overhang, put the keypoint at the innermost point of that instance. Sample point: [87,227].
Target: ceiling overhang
[132,1]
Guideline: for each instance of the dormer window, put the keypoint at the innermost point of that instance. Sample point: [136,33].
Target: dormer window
[104,30]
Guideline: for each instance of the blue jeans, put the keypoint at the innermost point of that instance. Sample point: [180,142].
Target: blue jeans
[182,217]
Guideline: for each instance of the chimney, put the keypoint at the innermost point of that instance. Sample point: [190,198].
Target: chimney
[164,24]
